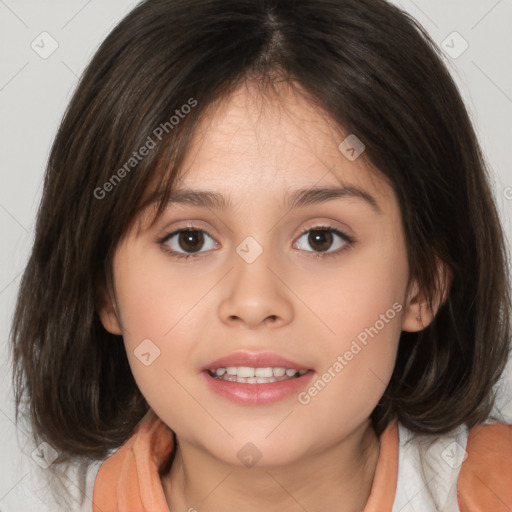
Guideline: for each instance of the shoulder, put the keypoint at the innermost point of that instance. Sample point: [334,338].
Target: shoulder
[485,479]
[129,478]
[466,470]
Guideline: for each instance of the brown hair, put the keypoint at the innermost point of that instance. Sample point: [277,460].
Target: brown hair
[377,74]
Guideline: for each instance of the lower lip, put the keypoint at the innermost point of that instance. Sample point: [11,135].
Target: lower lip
[258,394]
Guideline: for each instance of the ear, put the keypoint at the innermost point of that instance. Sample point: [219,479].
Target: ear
[109,314]
[418,314]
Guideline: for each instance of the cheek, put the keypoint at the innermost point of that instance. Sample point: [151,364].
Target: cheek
[155,297]
[359,291]
[158,332]
[159,315]
[358,360]
[361,306]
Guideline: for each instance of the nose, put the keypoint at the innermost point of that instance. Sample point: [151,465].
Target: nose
[256,293]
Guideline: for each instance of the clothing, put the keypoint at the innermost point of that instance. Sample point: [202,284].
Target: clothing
[128,481]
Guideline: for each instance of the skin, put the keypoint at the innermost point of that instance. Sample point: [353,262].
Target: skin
[254,150]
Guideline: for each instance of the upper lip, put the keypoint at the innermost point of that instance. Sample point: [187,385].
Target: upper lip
[254,360]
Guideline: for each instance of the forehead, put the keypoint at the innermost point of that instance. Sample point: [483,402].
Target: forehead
[272,143]
[256,151]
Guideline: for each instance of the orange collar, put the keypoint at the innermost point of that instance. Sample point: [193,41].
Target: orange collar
[129,479]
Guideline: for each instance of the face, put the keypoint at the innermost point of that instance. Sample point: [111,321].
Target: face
[260,281]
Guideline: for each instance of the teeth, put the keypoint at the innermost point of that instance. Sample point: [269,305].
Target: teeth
[263,372]
[246,374]
[245,371]
[264,381]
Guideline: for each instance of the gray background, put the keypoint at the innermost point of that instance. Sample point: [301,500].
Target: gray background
[35,88]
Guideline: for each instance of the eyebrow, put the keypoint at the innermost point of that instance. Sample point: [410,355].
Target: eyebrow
[296,199]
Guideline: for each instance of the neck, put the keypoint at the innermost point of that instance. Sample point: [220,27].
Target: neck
[338,477]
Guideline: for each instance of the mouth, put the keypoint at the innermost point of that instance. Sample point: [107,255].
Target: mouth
[251,375]
[256,378]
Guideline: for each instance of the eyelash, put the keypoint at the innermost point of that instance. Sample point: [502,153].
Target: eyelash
[349,242]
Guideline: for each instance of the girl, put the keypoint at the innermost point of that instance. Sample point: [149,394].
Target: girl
[268,270]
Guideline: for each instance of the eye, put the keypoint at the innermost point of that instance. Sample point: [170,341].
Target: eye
[192,242]
[185,243]
[324,240]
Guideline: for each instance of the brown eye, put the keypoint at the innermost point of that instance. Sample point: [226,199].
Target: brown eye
[191,241]
[320,239]
[183,242]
